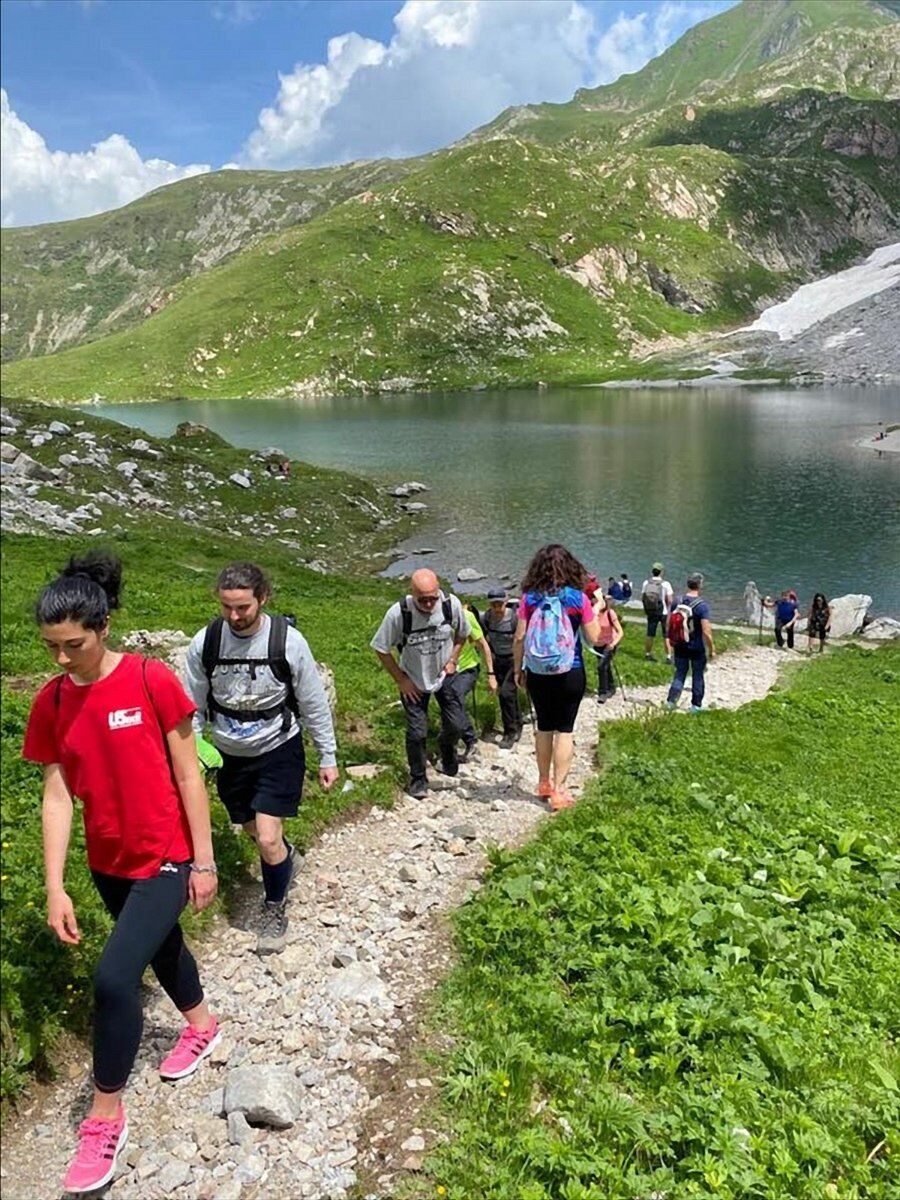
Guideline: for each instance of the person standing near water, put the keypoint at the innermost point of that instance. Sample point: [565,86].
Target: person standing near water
[253,678]
[786,610]
[611,634]
[818,623]
[695,647]
[657,597]
[548,661]
[114,731]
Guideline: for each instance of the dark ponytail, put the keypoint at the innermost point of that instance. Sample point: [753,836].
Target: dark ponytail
[86,590]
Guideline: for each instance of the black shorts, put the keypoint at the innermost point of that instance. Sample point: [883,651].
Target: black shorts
[654,620]
[556,699]
[270,783]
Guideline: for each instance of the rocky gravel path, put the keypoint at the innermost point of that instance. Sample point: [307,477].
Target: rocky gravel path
[314,1038]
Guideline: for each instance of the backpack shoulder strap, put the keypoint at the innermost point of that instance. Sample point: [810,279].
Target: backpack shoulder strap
[162,732]
[406,618]
[447,610]
[277,658]
[212,643]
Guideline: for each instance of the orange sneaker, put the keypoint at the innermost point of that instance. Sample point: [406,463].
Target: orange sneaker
[560,800]
[545,789]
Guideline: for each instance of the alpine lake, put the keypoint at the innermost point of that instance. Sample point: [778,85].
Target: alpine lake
[743,483]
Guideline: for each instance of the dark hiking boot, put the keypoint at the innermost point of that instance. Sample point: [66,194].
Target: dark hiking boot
[449,768]
[272,927]
[469,751]
[417,788]
[508,741]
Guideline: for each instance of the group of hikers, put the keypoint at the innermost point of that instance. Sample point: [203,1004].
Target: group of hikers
[126,737]
[786,610]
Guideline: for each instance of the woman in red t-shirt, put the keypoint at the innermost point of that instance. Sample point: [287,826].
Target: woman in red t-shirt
[114,730]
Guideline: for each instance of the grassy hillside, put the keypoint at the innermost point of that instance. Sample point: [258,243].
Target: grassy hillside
[76,281]
[687,986]
[561,247]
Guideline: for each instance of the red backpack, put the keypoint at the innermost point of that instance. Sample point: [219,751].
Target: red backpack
[680,628]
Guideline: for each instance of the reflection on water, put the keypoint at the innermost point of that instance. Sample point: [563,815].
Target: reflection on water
[743,484]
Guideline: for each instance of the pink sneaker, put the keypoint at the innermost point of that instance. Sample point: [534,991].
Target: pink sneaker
[193,1046]
[99,1144]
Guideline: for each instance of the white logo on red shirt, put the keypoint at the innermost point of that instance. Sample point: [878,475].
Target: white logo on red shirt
[124,718]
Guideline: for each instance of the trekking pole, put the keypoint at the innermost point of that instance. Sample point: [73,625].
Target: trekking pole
[618,678]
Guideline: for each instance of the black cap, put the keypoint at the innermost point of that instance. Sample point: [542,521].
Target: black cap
[497,593]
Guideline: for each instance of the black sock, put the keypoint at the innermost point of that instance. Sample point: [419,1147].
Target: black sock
[277,876]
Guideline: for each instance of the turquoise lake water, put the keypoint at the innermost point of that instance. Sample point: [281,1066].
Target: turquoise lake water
[763,484]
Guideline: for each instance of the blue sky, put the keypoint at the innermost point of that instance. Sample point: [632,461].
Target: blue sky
[105,99]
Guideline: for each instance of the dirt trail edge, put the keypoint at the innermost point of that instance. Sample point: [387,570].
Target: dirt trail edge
[322,1026]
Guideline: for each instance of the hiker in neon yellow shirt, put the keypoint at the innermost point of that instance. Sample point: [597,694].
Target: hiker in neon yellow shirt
[466,676]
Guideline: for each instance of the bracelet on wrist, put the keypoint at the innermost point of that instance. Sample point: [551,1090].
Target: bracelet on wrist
[211,870]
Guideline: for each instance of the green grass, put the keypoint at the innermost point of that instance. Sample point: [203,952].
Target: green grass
[687,987]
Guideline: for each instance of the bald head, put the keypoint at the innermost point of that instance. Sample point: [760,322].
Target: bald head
[424,581]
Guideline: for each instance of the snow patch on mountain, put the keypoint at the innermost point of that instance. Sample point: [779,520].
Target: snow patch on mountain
[814,302]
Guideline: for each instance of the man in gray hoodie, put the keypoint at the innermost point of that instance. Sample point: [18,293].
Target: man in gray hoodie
[254,679]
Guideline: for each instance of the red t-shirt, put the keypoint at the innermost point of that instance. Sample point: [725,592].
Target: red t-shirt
[108,738]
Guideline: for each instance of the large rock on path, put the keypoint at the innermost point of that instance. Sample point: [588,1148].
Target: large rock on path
[265,1095]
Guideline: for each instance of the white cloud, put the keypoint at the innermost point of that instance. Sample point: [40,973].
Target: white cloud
[630,42]
[450,66]
[236,12]
[39,184]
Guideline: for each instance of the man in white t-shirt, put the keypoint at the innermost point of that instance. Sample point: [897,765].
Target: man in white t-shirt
[657,597]
[419,643]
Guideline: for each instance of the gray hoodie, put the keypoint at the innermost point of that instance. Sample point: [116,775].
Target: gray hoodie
[235,687]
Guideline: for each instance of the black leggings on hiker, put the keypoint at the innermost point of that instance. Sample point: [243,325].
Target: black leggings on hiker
[782,632]
[146,933]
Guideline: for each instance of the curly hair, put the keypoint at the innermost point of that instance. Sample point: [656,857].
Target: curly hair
[240,575]
[552,568]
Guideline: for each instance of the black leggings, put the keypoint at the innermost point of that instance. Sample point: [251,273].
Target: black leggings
[556,699]
[146,933]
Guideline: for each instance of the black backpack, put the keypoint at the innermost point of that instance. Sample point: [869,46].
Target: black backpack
[406,615]
[275,660]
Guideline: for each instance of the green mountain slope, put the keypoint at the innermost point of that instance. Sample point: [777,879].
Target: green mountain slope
[508,260]
[807,40]
[76,281]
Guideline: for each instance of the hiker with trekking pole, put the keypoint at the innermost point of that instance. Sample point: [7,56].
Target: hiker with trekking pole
[114,731]
[499,624]
[611,634]
[465,678]
[253,678]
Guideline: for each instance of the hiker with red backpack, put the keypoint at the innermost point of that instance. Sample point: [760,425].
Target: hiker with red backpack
[690,633]
[254,680]
[553,610]
[114,731]
[419,642]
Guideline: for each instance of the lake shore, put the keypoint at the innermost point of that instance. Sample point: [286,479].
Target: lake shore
[889,444]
